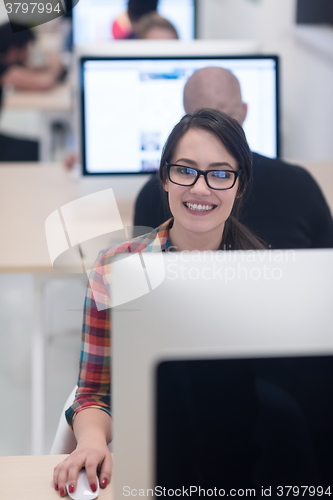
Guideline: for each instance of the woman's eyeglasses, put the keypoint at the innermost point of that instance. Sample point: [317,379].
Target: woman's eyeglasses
[215,179]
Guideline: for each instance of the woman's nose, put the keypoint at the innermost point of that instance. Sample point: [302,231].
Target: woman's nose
[200,187]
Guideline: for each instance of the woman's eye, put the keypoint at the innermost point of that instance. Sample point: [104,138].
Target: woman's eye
[185,171]
[222,174]
[181,170]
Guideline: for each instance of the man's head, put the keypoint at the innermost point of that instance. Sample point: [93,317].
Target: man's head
[215,88]
[152,26]
[138,8]
[14,45]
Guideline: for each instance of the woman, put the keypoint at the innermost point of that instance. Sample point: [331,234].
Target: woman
[205,169]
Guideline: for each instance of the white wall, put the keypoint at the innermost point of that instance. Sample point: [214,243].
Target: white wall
[306,74]
[3,13]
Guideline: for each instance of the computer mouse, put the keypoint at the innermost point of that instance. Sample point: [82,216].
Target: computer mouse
[83,491]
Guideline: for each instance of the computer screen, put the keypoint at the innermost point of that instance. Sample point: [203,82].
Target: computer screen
[95,20]
[259,423]
[130,105]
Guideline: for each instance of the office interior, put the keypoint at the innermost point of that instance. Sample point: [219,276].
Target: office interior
[306,106]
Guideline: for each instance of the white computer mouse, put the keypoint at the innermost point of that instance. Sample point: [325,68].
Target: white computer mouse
[83,491]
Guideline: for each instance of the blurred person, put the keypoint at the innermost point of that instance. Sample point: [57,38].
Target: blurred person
[124,27]
[154,27]
[285,206]
[14,149]
[15,72]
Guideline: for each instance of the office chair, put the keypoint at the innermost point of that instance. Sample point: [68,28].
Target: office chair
[64,440]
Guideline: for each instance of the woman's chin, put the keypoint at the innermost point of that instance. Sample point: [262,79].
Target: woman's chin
[200,225]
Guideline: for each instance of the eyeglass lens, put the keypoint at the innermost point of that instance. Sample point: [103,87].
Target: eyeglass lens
[217,179]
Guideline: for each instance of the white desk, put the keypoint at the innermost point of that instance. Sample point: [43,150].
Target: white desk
[56,99]
[30,478]
[28,195]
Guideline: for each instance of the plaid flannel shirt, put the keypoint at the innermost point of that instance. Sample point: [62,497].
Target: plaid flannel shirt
[94,383]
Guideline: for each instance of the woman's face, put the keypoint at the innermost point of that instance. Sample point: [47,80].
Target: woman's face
[201,149]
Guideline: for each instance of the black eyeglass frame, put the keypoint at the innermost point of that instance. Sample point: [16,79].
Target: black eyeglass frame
[236,173]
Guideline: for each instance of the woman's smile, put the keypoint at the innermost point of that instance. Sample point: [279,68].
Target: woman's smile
[199,207]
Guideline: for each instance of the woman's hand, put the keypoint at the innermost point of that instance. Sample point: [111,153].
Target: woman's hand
[94,457]
[92,428]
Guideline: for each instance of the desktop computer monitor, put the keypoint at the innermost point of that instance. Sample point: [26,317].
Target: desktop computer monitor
[224,364]
[129,106]
[93,19]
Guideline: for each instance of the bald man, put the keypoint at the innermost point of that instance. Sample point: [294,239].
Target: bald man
[285,207]
[215,88]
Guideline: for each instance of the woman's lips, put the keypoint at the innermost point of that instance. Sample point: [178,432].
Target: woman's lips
[197,208]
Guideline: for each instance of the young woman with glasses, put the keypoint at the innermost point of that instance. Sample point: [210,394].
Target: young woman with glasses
[205,169]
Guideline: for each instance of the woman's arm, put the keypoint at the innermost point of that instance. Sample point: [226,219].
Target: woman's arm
[26,78]
[92,429]
[89,415]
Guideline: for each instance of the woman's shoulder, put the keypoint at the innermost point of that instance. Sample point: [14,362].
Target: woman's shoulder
[100,276]
[153,241]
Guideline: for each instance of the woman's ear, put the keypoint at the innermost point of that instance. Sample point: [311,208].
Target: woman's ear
[166,186]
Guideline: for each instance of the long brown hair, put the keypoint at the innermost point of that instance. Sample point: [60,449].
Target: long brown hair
[235,235]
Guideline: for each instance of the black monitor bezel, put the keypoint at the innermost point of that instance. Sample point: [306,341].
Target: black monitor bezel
[85,59]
